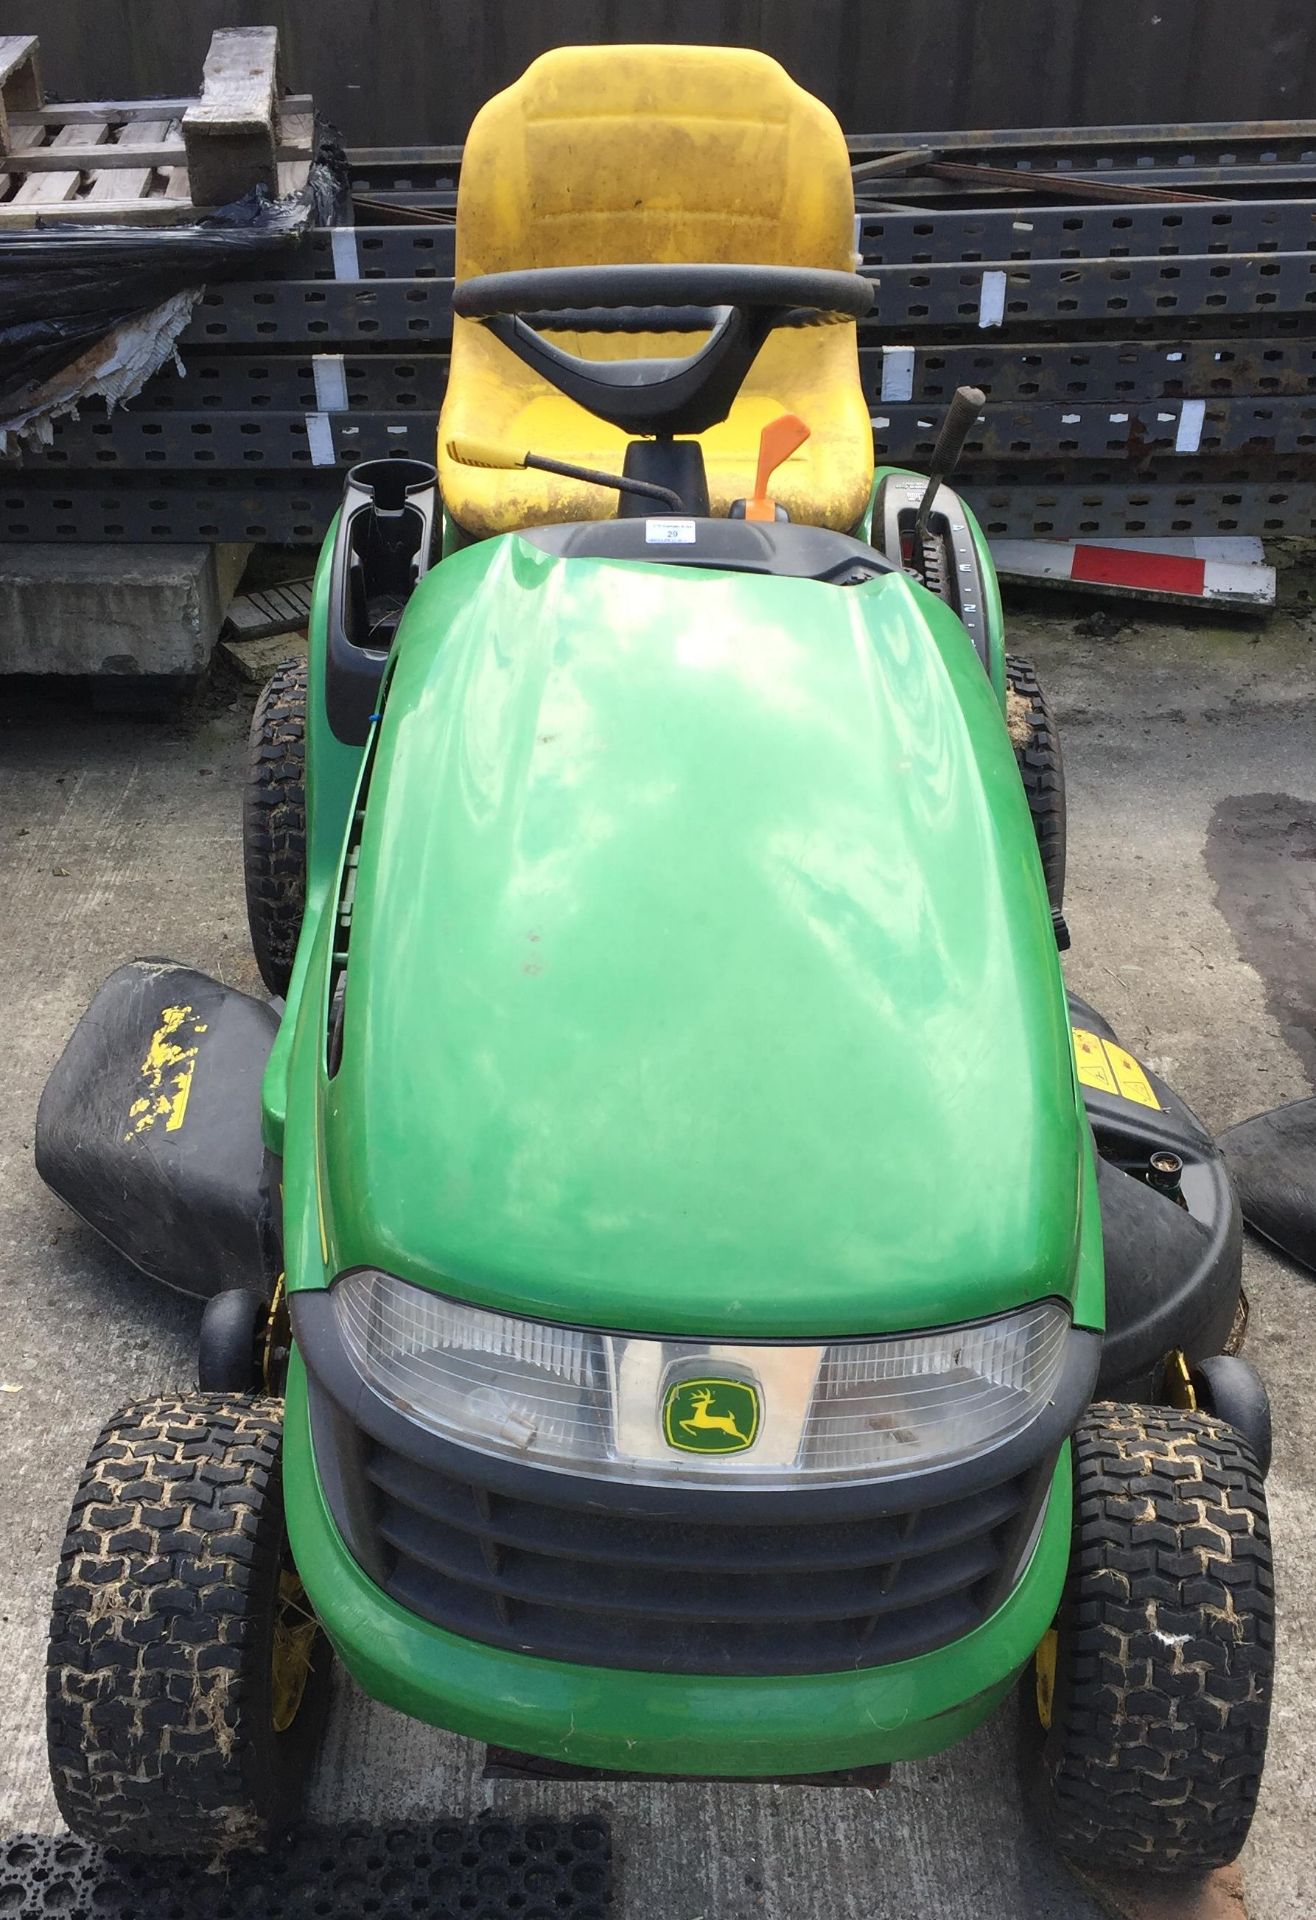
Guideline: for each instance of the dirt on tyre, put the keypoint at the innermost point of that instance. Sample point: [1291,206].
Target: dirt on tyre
[1037,754]
[186,1679]
[274,823]
[1157,1683]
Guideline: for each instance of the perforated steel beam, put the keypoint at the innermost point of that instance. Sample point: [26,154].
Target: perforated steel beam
[1110,340]
[223,507]
[1117,371]
[1223,157]
[912,238]
[1078,511]
[1192,289]
[230,507]
[1169,431]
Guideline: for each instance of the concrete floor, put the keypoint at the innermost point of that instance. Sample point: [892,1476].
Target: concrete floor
[122,838]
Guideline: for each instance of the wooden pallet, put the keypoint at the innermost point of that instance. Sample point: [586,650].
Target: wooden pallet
[272,610]
[151,162]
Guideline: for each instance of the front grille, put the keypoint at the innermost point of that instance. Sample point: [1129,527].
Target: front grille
[660,1593]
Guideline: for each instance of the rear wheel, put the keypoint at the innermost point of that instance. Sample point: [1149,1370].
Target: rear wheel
[274,823]
[186,1678]
[1037,754]
[231,1342]
[1154,1685]
[1228,1386]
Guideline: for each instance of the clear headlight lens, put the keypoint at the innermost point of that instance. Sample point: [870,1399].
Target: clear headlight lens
[627,1406]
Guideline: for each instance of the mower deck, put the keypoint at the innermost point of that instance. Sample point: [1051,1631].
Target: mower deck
[149,1128]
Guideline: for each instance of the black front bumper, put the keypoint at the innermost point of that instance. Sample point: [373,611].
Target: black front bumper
[681,1580]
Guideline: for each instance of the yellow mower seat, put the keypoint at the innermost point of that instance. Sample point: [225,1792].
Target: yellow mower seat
[607,155]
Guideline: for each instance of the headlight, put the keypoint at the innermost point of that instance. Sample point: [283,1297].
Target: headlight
[627,1406]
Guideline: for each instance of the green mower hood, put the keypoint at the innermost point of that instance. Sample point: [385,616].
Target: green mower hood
[701,976]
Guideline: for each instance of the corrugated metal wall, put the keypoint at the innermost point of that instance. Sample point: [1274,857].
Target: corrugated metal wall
[402,72]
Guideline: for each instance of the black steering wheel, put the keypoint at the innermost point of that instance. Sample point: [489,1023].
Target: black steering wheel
[738,306]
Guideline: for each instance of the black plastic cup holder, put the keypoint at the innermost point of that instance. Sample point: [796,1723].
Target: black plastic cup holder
[384,544]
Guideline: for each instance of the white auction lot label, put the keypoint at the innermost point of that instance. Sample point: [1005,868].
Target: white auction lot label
[669,533]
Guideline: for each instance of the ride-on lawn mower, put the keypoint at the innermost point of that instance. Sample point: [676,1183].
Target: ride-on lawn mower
[655,1233]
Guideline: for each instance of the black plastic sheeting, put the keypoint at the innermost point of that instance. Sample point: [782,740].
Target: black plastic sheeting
[487,1869]
[62,288]
[1273,1161]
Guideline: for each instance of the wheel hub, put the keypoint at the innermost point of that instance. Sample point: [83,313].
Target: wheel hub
[295,1630]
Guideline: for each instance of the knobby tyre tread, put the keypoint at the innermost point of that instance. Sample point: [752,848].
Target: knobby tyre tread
[274,823]
[159,1668]
[1165,1651]
[1041,768]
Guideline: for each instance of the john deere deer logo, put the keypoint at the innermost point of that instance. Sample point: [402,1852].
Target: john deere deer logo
[711,1416]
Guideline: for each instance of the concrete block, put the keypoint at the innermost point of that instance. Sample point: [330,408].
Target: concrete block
[110,610]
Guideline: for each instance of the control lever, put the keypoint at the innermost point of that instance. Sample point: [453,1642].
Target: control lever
[487,453]
[962,413]
[777,442]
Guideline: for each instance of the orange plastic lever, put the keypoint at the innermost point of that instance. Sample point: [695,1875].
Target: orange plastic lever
[777,442]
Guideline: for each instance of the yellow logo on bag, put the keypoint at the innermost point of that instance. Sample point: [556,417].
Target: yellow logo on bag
[167,1071]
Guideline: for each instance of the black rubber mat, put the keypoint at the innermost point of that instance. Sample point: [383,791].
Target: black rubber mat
[444,1870]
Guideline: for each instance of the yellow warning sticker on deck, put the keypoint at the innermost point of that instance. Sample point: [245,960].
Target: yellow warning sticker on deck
[1107,1067]
[1093,1066]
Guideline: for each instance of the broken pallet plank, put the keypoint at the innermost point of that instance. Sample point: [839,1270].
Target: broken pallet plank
[167,151]
[145,184]
[253,616]
[256,659]
[155,210]
[20,80]
[115,185]
[43,189]
[40,188]
[296,131]
[82,153]
[230,133]
[135,160]
[120,112]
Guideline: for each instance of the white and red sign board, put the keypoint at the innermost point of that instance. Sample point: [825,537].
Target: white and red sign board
[1229,570]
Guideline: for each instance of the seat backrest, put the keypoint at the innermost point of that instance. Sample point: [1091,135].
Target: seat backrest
[603,155]
[665,153]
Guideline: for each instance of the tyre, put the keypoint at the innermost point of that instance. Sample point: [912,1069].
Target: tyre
[1156,1678]
[1037,753]
[232,1335]
[1230,1387]
[274,823]
[186,1679]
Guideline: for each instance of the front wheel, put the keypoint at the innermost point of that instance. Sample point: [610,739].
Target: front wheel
[1036,744]
[186,1678]
[1154,1685]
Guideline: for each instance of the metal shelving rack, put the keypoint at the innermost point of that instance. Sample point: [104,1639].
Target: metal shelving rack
[1148,355]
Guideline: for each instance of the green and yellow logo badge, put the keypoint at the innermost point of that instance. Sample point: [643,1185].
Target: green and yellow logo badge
[711,1416]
